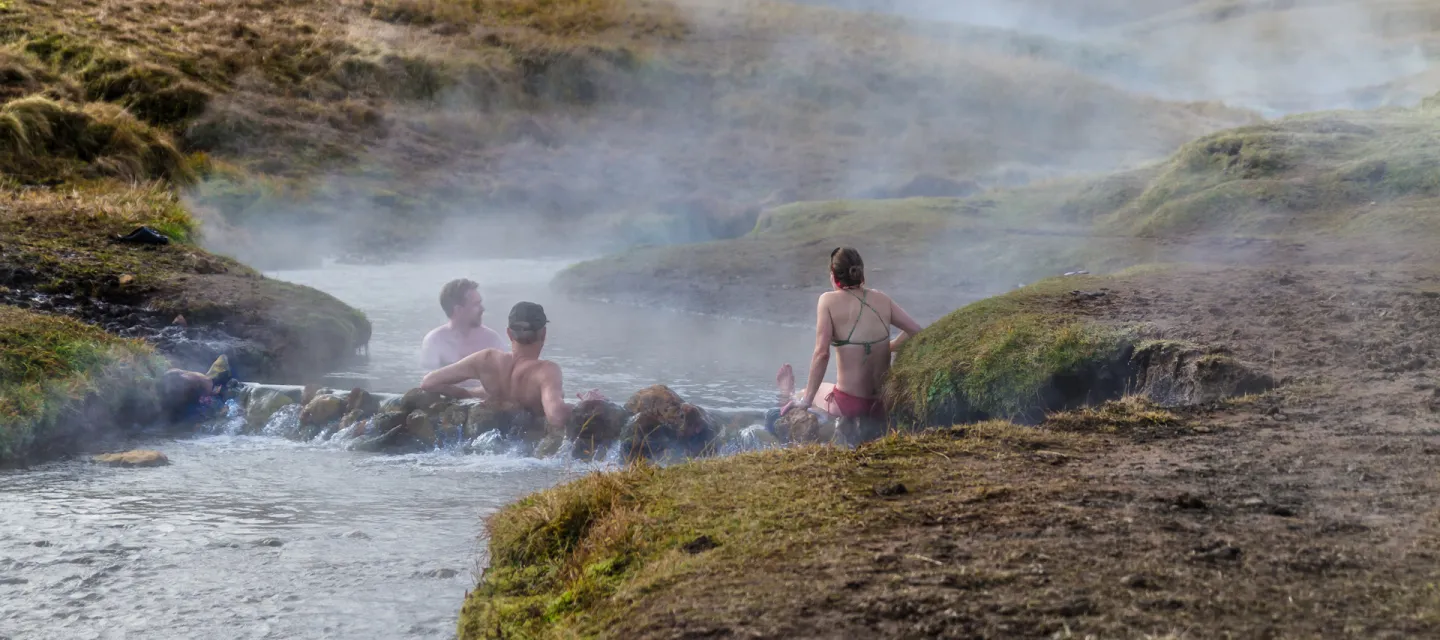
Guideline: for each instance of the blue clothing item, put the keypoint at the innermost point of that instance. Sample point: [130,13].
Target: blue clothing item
[771,417]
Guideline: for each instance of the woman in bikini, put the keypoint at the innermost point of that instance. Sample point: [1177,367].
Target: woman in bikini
[856,321]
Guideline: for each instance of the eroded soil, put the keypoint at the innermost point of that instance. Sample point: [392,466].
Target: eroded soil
[1310,511]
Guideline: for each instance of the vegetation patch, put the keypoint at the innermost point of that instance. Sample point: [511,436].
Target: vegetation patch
[588,557]
[1011,356]
[62,380]
[1135,417]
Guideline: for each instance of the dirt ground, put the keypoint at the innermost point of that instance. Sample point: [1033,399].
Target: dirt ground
[1308,512]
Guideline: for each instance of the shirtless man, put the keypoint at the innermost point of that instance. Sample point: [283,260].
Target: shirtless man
[519,376]
[463,334]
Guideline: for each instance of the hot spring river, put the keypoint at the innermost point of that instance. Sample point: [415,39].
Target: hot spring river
[255,537]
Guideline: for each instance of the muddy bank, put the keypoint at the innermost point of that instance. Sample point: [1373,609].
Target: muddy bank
[54,258]
[1297,510]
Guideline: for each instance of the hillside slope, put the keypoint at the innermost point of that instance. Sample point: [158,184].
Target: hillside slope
[368,126]
[1351,187]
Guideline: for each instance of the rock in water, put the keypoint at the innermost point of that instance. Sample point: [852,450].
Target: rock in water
[419,400]
[453,420]
[663,421]
[658,399]
[135,458]
[311,390]
[322,411]
[263,404]
[594,425]
[420,427]
[361,401]
[798,426]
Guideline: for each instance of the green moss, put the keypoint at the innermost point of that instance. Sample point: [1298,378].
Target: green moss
[997,358]
[50,364]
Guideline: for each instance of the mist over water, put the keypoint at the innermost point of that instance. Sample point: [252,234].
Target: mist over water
[712,361]
[260,537]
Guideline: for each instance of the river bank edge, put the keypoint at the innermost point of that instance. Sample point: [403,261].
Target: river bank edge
[1012,527]
[89,322]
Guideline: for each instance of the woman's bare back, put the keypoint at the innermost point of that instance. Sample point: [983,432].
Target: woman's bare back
[860,322]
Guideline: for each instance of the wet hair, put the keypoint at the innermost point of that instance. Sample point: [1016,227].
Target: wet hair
[847,267]
[525,336]
[453,293]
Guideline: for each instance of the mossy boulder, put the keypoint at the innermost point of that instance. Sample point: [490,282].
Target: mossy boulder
[799,426]
[1045,348]
[322,410]
[594,426]
[262,405]
[1014,356]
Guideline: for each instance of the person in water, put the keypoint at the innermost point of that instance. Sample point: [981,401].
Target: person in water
[464,333]
[191,395]
[855,320]
[519,376]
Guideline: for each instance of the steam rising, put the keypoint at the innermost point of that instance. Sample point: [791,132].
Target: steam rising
[765,103]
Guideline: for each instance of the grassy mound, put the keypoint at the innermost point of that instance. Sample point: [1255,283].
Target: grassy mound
[1339,172]
[1016,356]
[62,380]
[594,556]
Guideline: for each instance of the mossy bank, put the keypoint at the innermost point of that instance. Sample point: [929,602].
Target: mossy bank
[65,385]
[85,307]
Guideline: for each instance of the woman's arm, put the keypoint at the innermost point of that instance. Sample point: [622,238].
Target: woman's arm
[821,359]
[908,326]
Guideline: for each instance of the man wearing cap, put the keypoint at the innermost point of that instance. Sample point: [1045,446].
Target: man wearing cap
[519,376]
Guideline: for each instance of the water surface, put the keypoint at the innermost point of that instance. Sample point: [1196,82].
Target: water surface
[256,537]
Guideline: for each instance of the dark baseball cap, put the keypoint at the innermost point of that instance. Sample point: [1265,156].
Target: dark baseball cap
[527,316]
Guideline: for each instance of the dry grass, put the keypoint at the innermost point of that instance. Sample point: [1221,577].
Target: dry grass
[45,141]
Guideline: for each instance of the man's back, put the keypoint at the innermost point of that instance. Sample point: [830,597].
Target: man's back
[519,376]
[532,383]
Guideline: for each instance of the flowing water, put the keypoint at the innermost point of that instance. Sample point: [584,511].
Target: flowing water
[256,537]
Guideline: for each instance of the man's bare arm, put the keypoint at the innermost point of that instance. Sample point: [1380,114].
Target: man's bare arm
[444,380]
[552,398]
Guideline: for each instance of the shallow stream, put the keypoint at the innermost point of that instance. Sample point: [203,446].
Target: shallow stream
[258,537]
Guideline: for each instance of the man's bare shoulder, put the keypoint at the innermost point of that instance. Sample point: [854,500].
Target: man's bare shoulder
[436,334]
[493,337]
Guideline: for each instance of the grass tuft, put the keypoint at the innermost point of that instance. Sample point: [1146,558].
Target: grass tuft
[46,141]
